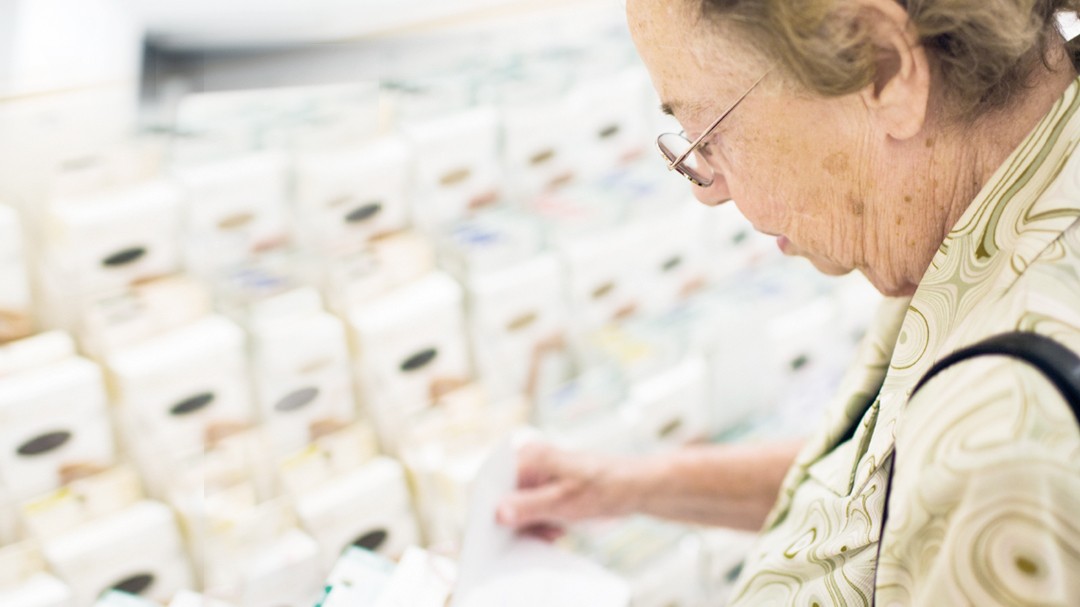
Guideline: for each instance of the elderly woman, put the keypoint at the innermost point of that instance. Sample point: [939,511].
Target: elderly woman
[928,144]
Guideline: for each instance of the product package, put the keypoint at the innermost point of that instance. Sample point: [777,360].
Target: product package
[54,427]
[182,391]
[520,327]
[410,349]
[136,550]
[457,169]
[112,239]
[443,450]
[670,409]
[235,210]
[300,365]
[16,315]
[345,197]
[341,513]
[24,582]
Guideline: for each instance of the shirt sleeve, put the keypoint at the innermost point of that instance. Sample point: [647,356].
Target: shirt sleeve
[985,502]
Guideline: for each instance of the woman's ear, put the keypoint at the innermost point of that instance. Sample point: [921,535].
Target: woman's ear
[899,96]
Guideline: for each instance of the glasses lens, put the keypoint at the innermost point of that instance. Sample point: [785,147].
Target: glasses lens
[693,167]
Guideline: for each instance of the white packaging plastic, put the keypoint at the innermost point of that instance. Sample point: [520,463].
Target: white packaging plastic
[670,409]
[601,283]
[113,239]
[519,326]
[410,348]
[54,427]
[345,197]
[457,169]
[610,120]
[383,265]
[341,513]
[137,550]
[24,582]
[235,210]
[16,316]
[182,389]
[300,364]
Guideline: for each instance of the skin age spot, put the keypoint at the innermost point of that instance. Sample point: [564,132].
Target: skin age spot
[929,142]
[836,164]
[907,198]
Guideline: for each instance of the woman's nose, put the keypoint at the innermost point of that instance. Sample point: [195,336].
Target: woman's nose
[714,194]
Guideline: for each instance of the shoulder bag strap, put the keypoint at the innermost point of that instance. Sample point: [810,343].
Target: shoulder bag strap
[1059,364]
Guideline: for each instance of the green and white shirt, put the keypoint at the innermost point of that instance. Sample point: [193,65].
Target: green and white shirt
[985,505]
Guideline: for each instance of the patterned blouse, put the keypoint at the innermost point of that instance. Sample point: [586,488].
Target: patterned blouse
[985,505]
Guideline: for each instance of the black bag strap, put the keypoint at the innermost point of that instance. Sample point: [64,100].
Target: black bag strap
[1059,364]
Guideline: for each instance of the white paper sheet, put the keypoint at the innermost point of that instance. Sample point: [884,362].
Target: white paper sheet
[501,569]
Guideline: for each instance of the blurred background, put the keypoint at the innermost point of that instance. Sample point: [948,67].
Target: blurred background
[276,274]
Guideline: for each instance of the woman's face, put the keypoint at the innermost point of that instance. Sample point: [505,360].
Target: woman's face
[794,165]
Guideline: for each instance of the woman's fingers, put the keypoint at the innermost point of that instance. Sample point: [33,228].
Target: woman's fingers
[532,505]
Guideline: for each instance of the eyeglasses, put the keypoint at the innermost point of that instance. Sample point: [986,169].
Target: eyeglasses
[684,156]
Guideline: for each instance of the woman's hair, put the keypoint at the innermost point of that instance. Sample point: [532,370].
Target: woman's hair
[984,50]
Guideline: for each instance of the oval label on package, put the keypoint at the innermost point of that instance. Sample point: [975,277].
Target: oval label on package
[419,360]
[124,257]
[192,404]
[521,322]
[372,540]
[236,220]
[672,263]
[363,212]
[456,176]
[608,131]
[136,584]
[44,443]
[296,399]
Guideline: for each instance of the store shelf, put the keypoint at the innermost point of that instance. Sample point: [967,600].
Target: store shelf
[238,24]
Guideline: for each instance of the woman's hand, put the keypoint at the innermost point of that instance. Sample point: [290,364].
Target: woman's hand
[732,485]
[557,487]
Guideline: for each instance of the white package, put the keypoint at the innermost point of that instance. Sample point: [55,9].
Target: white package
[187,598]
[670,408]
[601,281]
[136,550]
[342,513]
[670,579]
[610,120]
[300,363]
[384,264]
[346,197]
[15,304]
[410,349]
[443,451]
[357,579]
[421,579]
[457,169]
[51,45]
[488,242]
[35,351]
[42,132]
[538,149]
[672,263]
[54,427]
[519,326]
[185,387]
[113,239]
[732,243]
[126,317]
[284,573]
[24,583]
[234,210]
